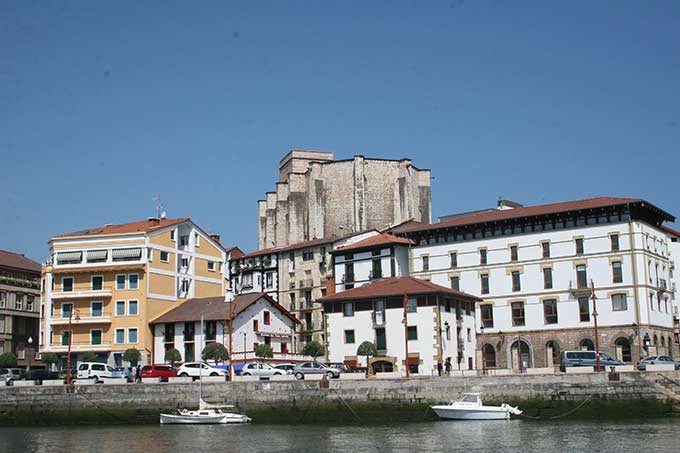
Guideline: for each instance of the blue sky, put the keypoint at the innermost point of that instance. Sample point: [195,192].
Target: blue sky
[104,104]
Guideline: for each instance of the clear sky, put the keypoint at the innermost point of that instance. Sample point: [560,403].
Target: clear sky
[104,104]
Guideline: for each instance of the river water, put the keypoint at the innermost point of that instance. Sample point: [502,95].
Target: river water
[438,436]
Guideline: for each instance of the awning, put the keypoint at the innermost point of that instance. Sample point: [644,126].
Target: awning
[126,254]
[69,257]
[96,255]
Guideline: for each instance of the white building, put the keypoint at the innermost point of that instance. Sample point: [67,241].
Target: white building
[534,267]
[256,319]
[440,323]
[674,236]
[254,273]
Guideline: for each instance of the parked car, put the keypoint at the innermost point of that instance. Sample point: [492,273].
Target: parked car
[196,369]
[341,367]
[586,359]
[124,372]
[657,360]
[95,370]
[260,369]
[10,375]
[287,368]
[159,371]
[315,368]
[38,375]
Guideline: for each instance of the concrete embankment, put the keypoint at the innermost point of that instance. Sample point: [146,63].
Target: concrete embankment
[635,394]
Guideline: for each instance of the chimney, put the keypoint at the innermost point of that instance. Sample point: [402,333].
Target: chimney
[330,285]
[216,238]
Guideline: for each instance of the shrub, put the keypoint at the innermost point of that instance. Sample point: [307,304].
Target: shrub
[264,351]
[173,356]
[8,360]
[216,352]
[313,349]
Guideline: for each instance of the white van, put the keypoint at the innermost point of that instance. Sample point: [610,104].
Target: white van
[94,370]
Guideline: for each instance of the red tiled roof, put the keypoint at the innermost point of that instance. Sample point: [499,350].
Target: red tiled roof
[378,239]
[527,211]
[395,286]
[284,248]
[670,231]
[234,253]
[404,226]
[142,226]
[18,261]
[216,309]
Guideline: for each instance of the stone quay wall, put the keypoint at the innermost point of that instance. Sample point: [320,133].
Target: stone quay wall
[363,400]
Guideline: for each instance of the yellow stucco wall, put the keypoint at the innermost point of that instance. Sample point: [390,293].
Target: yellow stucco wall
[205,289]
[162,284]
[163,239]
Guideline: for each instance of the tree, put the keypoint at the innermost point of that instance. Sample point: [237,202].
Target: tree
[264,351]
[367,349]
[173,356]
[8,360]
[215,351]
[89,357]
[313,349]
[50,358]
[132,355]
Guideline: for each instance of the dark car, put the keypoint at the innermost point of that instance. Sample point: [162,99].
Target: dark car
[159,371]
[39,374]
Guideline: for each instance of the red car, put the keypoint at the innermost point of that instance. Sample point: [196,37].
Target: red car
[162,371]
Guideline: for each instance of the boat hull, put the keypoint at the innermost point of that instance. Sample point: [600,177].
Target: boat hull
[222,419]
[449,413]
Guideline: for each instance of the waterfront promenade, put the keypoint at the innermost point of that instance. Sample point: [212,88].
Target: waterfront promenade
[634,393]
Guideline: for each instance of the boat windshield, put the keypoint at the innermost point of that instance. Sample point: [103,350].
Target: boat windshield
[469,399]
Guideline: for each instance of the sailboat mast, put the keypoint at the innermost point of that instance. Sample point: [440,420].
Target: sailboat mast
[200,371]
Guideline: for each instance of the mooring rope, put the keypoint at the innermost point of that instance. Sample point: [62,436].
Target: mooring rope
[569,412]
[86,398]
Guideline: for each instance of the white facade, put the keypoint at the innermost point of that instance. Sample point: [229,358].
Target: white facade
[255,273]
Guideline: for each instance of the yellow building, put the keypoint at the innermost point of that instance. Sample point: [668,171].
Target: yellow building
[112,280]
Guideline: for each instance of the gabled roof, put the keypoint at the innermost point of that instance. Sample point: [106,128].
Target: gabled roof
[285,248]
[396,286]
[234,253]
[531,211]
[216,309]
[142,226]
[18,261]
[374,241]
[398,228]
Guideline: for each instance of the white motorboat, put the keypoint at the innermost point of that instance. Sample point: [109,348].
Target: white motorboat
[203,417]
[470,407]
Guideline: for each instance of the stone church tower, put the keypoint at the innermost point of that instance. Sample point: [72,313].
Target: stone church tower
[319,197]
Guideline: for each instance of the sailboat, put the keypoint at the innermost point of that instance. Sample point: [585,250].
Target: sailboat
[206,413]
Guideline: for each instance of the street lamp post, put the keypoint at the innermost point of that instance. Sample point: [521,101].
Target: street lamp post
[30,345]
[70,335]
[597,338]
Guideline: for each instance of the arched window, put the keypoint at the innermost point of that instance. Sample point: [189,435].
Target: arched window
[670,348]
[663,342]
[624,345]
[656,340]
[489,356]
[586,345]
[552,350]
[525,354]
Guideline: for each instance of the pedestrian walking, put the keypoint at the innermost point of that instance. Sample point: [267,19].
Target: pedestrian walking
[439,367]
[447,366]
[138,373]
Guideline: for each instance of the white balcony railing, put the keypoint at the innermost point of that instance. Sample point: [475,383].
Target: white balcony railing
[104,292]
[78,347]
[104,318]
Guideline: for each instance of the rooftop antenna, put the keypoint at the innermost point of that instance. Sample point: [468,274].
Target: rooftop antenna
[159,206]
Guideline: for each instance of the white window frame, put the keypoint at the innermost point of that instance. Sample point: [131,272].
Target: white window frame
[32,302]
[128,307]
[3,299]
[128,281]
[61,308]
[18,304]
[101,336]
[124,282]
[92,282]
[197,239]
[92,311]
[115,307]
[136,333]
[73,284]
[211,266]
[160,256]
[115,336]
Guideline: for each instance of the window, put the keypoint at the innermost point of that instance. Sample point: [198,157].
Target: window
[545,248]
[469,335]
[65,337]
[292,301]
[197,239]
[455,283]
[547,278]
[349,336]
[513,253]
[379,312]
[120,336]
[348,309]
[349,272]
[376,252]
[132,335]
[550,311]
[482,256]
[454,260]
[19,302]
[96,309]
[120,308]
[269,279]
[120,281]
[487,315]
[291,261]
[651,301]
[581,276]
[172,235]
[256,325]
[133,308]
[376,269]
[516,284]
[66,309]
[584,309]
[619,302]
[615,242]
[30,299]
[267,318]
[617,272]
[95,336]
[97,282]
[308,255]
[579,246]
[133,281]
[412,305]
[3,299]
[426,263]
[485,283]
[412,333]
[211,266]
[517,313]
[67,284]
[165,256]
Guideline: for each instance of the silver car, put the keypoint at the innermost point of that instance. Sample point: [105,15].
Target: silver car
[657,360]
[315,368]
[260,369]
[9,375]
